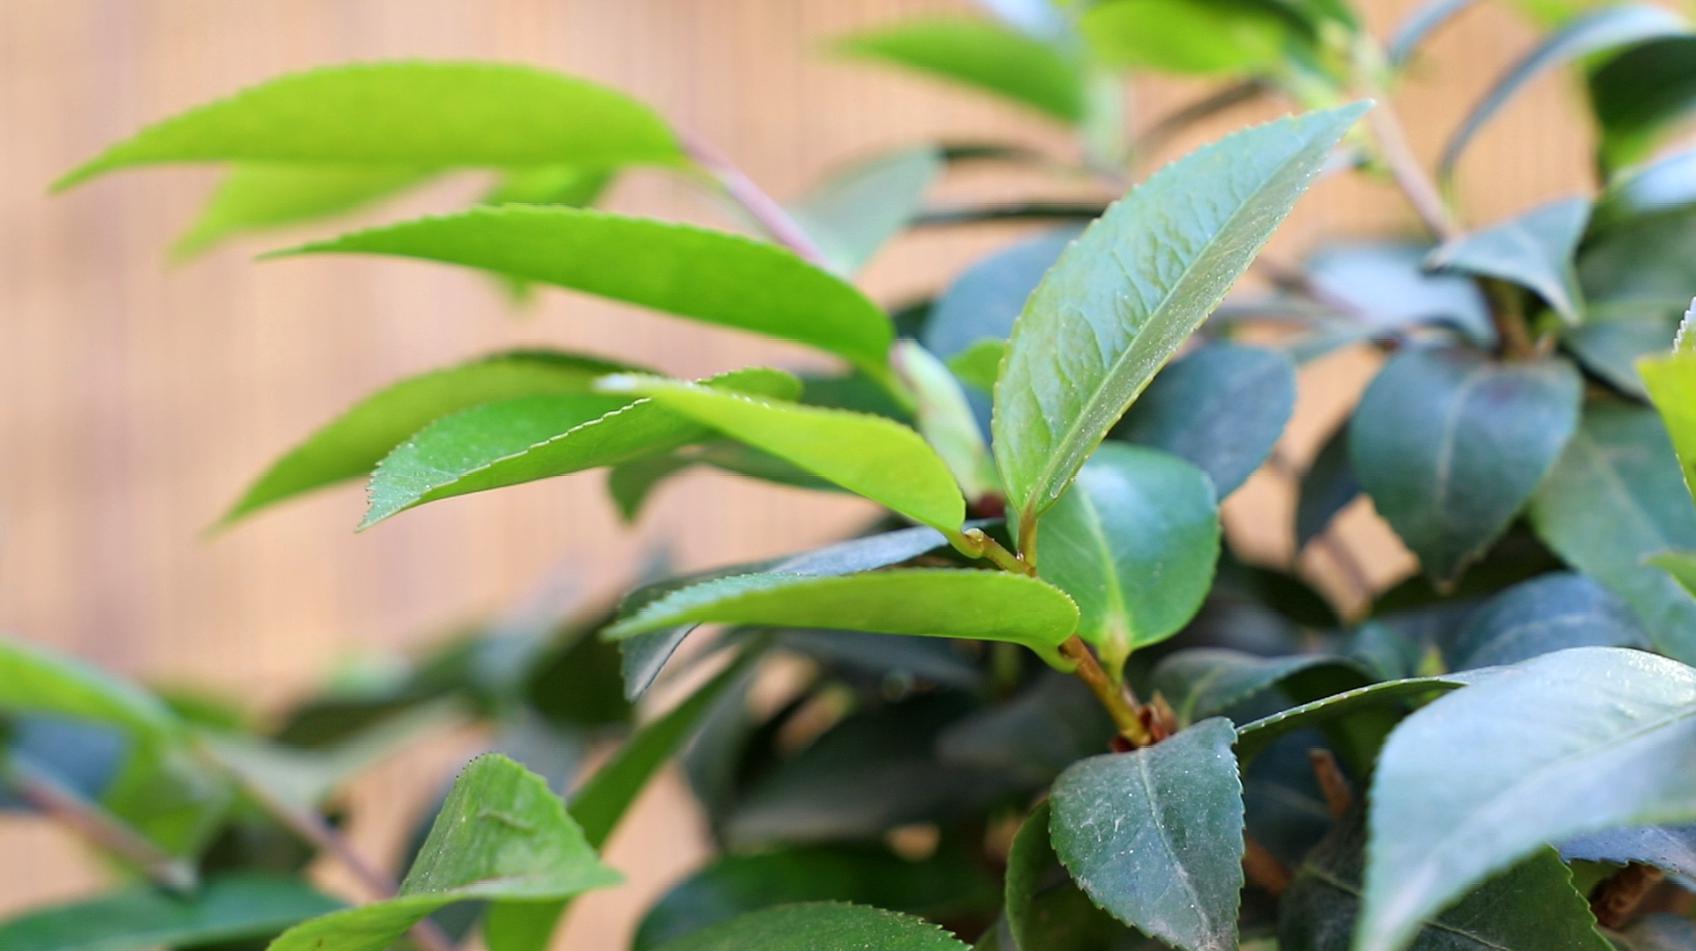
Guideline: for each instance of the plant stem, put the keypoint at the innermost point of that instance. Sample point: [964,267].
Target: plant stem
[1408,174]
[1508,314]
[99,827]
[772,216]
[1111,695]
[1263,868]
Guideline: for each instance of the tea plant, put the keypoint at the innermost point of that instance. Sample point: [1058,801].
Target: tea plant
[1046,707]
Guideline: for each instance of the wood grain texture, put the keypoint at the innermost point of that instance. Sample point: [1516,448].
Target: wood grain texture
[136,399]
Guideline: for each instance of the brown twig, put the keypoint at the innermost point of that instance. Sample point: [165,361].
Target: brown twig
[1333,785]
[99,827]
[1263,869]
[772,216]
[1616,898]
[1120,706]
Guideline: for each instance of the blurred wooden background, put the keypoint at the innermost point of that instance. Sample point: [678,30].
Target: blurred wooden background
[137,398]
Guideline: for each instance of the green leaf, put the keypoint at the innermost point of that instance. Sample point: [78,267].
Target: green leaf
[982,56]
[1615,498]
[1604,29]
[1531,907]
[932,602]
[1035,735]
[1534,250]
[353,443]
[945,419]
[416,114]
[1451,444]
[1616,335]
[1640,93]
[1134,543]
[261,197]
[501,834]
[1203,682]
[710,276]
[1222,407]
[979,364]
[983,302]
[1655,188]
[1191,36]
[1681,565]
[1671,382]
[1045,909]
[853,213]
[868,455]
[1547,742]
[819,927]
[948,884]
[1540,616]
[503,443]
[36,681]
[1327,487]
[1254,737]
[1126,295]
[231,908]
[1155,836]
[1386,285]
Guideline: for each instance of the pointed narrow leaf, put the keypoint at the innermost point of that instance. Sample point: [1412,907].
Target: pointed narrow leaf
[501,833]
[854,213]
[945,419]
[933,602]
[260,197]
[1534,250]
[34,681]
[819,927]
[231,908]
[1671,382]
[983,56]
[983,302]
[1155,836]
[353,443]
[710,276]
[977,365]
[867,455]
[1450,445]
[1134,543]
[1546,614]
[538,437]
[1547,742]
[1254,737]
[417,114]
[1126,295]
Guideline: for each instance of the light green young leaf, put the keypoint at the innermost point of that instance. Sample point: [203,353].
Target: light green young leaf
[1681,565]
[1642,191]
[1534,250]
[1191,36]
[537,437]
[1134,542]
[1126,295]
[37,681]
[237,907]
[946,420]
[854,213]
[1450,445]
[710,276]
[1155,836]
[871,456]
[819,927]
[977,365]
[261,197]
[931,602]
[412,114]
[1671,382]
[1547,742]
[501,834]
[353,443]
[1327,487]
[983,56]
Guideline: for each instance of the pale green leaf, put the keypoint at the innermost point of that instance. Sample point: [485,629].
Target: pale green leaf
[1642,191]
[819,927]
[1202,682]
[1126,295]
[1681,565]
[34,681]
[1671,382]
[977,365]
[414,114]
[853,213]
[982,56]
[262,197]
[1191,36]
[945,419]
[1534,250]
[549,185]
[230,908]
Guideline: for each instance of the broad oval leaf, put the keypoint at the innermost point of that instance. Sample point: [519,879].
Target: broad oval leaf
[354,442]
[871,456]
[1126,295]
[1541,616]
[1033,736]
[501,833]
[853,213]
[932,602]
[1222,407]
[1155,836]
[1534,250]
[256,197]
[416,114]
[1547,742]
[711,276]
[1450,445]
[1134,542]
[537,437]
[819,926]
[983,302]
[944,417]
[982,56]
[1616,335]
[235,907]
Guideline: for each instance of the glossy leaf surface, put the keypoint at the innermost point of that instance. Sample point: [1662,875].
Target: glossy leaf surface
[819,927]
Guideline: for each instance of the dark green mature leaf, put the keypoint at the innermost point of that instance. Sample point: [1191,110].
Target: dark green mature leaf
[1134,543]
[1547,741]
[413,114]
[501,834]
[1209,681]
[944,885]
[1256,736]
[1386,285]
[932,602]
[984,301]
[1615,336]
[257,197]
[982,56]
[978,365]
[1191,36]
[1531,907]
[1155,836]
[537,437]
[854,212]
[1327,487]
[1546,614]
[1671,382]
[868,455]
[354,442]
[1222,407]
[1638,94]
[1604,29]
[1668,848]
[819,927]
[229,908]
[1035,735]
[711,276]
[1681,565]
[1614,499]
[1534,250]
[1126,295]
[1045,909]
[1450,445]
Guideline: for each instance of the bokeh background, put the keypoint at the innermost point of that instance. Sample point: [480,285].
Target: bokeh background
[138,397]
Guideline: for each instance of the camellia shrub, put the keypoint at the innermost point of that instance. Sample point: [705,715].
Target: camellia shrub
[1042,705]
